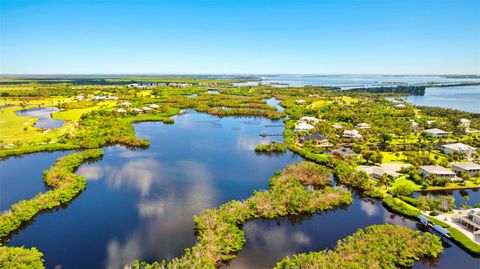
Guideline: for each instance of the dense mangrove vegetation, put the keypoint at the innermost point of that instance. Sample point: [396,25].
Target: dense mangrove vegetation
[271,147]
[219,233]
[65,184]
[20,258]
[378,246]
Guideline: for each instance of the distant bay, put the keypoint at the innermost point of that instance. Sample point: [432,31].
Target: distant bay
[466,98]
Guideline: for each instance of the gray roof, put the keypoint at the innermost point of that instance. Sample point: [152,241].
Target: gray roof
[436,169]
[435,131]
[466,165]
[344,152]
[313,136]
[377,170]
[458,146]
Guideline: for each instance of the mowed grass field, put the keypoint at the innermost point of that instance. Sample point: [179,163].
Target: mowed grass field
[15,128]
[21,128]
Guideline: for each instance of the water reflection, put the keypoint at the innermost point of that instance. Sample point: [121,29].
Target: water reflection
[18,183]
[321,231]
[43,114]
[141,203]
[468,197]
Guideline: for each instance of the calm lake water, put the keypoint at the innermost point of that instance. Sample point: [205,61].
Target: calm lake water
[269,241]
[473,196]
[140,203]
[21,178]
[466,98]
[43,114]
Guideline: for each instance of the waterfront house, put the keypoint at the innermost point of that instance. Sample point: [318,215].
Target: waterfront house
[377,171]
[354,134]
[464,150]
[470,222]
[363,126]
[435,132]
[303,126]
[437,171]
[344,152]
[470,168]
[317,139]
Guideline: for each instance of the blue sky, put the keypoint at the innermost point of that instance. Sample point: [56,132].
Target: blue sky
[240,37]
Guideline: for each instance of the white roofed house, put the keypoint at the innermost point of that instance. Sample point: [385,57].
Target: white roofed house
[121,110]
[377,171]
[435,132]
[125,103]
[465,123]
[300,102]
[437,171]
[414,125]
[470,168]
[137,110]
[351,134]
[146,109]
[303,126]
[363,126]
[400,106]
[464,150]
[308,119]
[154,106]
[337,126]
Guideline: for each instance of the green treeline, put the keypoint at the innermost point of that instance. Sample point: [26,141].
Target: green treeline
[410,90]
[379,246]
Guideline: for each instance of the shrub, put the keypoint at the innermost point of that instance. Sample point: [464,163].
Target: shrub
[271,147]
[434,213]
[379,246]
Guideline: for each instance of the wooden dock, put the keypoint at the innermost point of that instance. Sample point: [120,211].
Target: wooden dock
[265,134]
[275,125]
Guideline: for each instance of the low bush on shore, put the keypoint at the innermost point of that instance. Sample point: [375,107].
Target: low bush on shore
[5,153]
[379,246]
[399,206]
[271,147]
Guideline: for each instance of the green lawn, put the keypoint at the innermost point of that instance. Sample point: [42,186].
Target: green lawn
[389,157]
